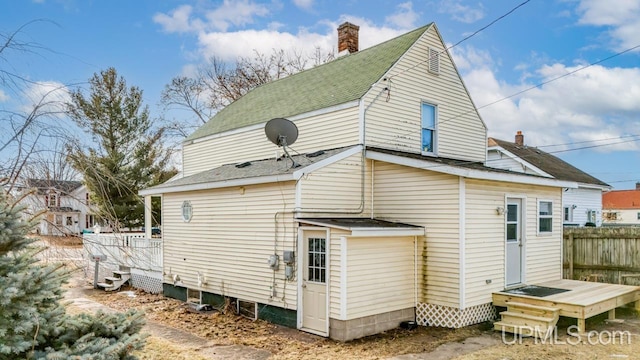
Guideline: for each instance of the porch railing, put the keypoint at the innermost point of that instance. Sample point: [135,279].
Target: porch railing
[132,250]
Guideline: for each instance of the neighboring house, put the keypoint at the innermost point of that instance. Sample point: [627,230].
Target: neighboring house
[389,215]
[580,205]
[622,207]
[65,206]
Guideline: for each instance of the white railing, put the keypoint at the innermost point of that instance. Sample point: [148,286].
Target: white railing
[133,250]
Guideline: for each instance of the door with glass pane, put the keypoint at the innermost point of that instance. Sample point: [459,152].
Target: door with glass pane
[314,282]
[514,244]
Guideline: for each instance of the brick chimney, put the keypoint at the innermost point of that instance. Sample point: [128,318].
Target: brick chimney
[519,138]
[348,37]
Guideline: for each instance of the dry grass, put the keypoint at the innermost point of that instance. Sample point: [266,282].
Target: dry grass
[283,343]
[161,349]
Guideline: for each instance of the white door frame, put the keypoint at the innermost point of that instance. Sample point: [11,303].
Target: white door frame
[300,275]
[523,240]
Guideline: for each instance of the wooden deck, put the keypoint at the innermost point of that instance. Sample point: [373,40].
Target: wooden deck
[582,301]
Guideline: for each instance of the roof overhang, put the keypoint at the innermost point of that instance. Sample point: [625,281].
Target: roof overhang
[294,176]
[468,173]
[594,187]
[369,231]
[519,160]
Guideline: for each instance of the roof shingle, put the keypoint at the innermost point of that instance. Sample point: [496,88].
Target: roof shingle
[548,163]
[344,79]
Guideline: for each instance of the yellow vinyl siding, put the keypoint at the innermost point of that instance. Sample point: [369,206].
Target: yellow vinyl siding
[229,239]
[393,118]
[485,237]
[380,275]
[429,199]
[326,131]
[335,280]
[337,187]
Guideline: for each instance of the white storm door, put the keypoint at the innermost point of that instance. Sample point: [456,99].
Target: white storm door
[514,242]
[314,282]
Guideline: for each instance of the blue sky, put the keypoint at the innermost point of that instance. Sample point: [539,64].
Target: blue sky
[149,42]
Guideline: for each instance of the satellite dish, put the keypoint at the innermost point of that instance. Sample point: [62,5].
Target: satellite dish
[281,132]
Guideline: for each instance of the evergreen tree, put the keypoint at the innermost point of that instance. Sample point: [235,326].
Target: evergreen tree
[33,322]
[128,154]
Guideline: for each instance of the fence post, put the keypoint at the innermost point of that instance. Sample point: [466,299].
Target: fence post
[570,255]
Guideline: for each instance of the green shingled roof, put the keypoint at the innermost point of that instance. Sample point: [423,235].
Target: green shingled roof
[342,80]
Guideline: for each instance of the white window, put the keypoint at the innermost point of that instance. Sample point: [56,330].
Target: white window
[639,216]
[591,216]
[429,120]
[434,61]
[568,213]
[545,216]
[187,211]
[53,200]
[58,220]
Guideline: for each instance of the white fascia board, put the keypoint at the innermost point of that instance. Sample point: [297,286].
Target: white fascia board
[328,161]
[519,160]
[386,232]
[218,184]
[343,106]
[594,187]
[469,173]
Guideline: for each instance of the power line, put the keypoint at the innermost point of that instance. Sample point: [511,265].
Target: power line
[463,40]
[588,141]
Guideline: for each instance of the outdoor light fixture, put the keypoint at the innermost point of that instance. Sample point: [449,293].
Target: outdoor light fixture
[500,210]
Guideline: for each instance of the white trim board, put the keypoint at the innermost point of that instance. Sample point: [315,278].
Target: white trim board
[468,173]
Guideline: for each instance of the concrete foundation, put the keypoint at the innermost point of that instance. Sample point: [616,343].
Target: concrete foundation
[345,330]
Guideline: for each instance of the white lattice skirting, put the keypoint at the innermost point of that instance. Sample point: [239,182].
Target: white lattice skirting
[149,281]
[450,317]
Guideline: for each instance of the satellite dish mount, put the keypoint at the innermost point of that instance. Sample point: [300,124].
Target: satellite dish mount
[282,132]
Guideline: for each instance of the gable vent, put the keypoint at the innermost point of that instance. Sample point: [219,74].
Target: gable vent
[434,61]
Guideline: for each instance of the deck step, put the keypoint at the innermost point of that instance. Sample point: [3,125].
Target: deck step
[527,319]
[122,272]
[520,305]
[104,285]
[111,278]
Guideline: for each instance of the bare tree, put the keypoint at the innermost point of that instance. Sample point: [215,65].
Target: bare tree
[217,84]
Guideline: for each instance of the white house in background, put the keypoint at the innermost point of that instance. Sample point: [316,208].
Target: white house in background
[622,207]
[65,206]
[580,205]
[389,214]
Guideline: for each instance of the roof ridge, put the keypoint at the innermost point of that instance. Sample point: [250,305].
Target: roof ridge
[339,81]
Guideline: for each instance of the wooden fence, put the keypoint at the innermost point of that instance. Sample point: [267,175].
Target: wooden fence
[606,254]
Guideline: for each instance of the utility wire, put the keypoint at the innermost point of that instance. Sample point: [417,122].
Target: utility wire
[463,40]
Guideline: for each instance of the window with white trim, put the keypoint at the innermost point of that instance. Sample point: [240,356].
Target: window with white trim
[545,216]
[53,200]
[568,213]
[591,216]
[429,114]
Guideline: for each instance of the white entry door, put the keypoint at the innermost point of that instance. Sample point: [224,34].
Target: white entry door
[514,246]
[314,282]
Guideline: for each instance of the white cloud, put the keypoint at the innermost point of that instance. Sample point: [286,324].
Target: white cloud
[237,13]
[230,13]
[177,20]
[304,4]
[620,16]
[404,17]
[463,13]
[3,96]
[594,103]
[47,97]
